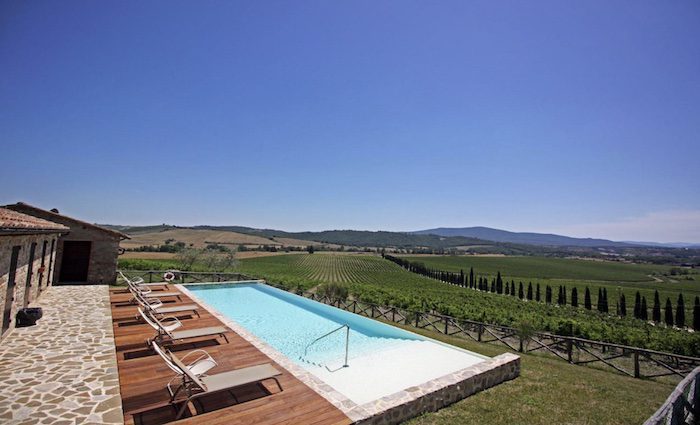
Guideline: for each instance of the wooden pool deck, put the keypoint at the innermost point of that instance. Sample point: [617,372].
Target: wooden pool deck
[143,377]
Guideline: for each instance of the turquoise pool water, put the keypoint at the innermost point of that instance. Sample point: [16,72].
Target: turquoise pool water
[289,323]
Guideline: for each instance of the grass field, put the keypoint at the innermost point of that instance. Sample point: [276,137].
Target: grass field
[551,391]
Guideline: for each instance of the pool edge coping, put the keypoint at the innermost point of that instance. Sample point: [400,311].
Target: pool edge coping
[369,410]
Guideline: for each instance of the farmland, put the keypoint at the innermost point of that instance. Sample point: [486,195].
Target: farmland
[374,279]
[616,277]
[199,238]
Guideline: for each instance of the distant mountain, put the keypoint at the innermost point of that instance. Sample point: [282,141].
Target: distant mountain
[541,239]
[359,237]
[667,244]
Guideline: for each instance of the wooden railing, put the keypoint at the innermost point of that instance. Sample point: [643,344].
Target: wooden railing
[682,406]
[631,361]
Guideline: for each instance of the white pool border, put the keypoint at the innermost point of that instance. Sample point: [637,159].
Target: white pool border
[392,408]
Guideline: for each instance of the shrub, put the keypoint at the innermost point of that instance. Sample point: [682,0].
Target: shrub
[334,291]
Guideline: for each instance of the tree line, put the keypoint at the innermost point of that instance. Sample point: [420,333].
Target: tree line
[534,293]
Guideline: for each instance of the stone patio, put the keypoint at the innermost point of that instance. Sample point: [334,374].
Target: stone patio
[64,369]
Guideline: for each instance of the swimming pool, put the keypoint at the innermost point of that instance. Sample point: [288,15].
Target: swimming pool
[381,359]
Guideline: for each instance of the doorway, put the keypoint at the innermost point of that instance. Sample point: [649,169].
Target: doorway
[10,295]
[75,261]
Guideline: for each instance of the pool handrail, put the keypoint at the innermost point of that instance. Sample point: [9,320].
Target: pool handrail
[347,341]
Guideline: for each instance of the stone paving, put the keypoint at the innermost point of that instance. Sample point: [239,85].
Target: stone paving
[64,369]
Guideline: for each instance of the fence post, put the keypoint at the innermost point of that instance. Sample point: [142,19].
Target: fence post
[480,329]
[636,364]
[372,311]
[393,314]
[150,277]
[447,322]
[417,317]
[569,349]
[182,278]
[354,306]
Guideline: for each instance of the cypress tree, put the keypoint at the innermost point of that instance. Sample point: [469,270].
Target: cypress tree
[680,312]
[696,314]
[623,306]
[587,299]
[507,289]
[560,297]
[656,312]
[605,300]
[644,315]
[521,294]
[563,295]
[499,283]
[512,288]
[617,307]
[493,285]
[537,294]
[548,295]
[668,312]
[462,282]
[637,305]
[600,300]
[529,291]
[574,297]
[471,277]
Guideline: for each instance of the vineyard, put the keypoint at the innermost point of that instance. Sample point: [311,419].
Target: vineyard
[376,280]
[373,279]
[616,278]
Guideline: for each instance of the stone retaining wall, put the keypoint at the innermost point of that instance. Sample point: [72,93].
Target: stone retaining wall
[442,392]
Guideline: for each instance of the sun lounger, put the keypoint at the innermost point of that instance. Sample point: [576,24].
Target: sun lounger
[198,367]
[147,293]
[196,386]
[138,281]
[156,306]
[167,329]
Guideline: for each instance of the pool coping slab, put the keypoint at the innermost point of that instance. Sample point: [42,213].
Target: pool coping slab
[392,408]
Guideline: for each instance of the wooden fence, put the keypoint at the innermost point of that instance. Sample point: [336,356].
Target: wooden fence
[682,406]
[631,361]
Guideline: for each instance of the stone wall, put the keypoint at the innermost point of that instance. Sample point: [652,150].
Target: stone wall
[445,391]
[38,281]
[102,268]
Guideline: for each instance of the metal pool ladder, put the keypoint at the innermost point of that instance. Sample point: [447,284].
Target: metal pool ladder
[347,342]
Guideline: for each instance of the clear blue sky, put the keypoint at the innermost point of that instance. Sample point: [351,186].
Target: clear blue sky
[581,118]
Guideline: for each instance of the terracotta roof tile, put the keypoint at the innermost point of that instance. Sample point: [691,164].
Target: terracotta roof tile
[51,215]
[14,221]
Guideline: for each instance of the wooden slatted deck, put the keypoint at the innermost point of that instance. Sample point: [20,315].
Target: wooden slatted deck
[143,376]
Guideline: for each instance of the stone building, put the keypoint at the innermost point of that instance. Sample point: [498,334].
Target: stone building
[27,261]
[87,254]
